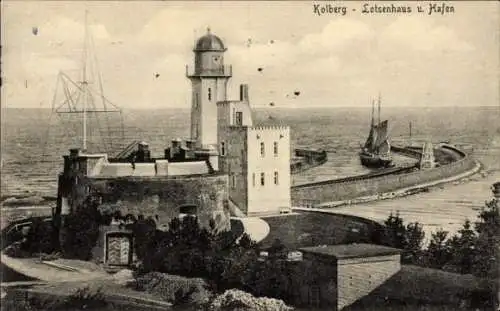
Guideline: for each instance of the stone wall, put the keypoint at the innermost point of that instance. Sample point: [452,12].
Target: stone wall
[301,230]
[358,277]
[163,197]
[335,190]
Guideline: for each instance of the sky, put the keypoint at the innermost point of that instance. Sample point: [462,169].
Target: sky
[333,60]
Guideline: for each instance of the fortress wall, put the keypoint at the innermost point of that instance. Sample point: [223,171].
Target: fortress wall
[351,189]
[164,196]
[301,229]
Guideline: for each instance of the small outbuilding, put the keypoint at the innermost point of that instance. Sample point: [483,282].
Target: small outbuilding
[349,272]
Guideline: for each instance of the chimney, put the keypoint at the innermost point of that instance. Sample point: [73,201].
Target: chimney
[74,152]
[189,144]
[175,147]
[244,92]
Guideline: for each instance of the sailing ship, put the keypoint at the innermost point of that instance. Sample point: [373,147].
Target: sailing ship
[376,152]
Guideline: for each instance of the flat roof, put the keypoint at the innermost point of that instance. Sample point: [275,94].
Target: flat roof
[355,250]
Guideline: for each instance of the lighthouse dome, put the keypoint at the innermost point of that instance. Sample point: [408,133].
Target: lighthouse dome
[209,42]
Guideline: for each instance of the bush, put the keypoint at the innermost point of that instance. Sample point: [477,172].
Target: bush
[239,300]
[174,289]
[473,250]
[83,298]
[81,231]
[52,256]
[16,251]
[39,238]
[408,238]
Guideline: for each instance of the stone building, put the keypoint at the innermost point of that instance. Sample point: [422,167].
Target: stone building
[256,159]
[226,163]
[342,274]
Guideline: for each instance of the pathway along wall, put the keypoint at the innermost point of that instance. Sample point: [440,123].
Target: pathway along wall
[338,190]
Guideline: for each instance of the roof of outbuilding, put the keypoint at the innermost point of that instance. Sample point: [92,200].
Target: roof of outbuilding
[344,251]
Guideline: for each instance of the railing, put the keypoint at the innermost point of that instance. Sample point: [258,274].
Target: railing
[221,71]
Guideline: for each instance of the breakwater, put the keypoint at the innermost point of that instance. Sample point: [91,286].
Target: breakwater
[306,159]
[385,181]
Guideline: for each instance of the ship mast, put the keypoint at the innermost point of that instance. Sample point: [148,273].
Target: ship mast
[78,98]
[379,109]
[373,113]
[84,84]
[410,134]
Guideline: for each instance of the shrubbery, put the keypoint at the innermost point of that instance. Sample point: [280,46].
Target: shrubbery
[174,289]
[39,238]
[409,238]
[473,250]
[81,230]
[219,257]
[81,299]
[238,300]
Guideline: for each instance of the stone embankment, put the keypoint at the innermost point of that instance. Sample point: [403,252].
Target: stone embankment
[385,184]
[306,159]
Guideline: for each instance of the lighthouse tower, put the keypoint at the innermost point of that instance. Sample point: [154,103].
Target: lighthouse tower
[209,79]
[427,161]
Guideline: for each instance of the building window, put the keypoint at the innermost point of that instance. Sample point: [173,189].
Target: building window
[209,93]
[275,148]
[276,181]
[233,181]
[262,179]
[253,179]
[262,150]
[239,118]
[222,148]
[196,99]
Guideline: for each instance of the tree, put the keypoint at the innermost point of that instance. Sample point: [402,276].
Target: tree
[414,237]
[488,241]
[278,250]
[408,238]
[81,231]
[39,238]
[395,230]
[437,253]
[144,232]
[462,249]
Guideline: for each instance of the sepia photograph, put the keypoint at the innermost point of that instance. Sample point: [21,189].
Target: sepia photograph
[250,155]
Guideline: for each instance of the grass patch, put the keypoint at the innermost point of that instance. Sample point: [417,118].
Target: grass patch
[417,288]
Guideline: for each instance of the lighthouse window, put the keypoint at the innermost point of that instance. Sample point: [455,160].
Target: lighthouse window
[233,181]
[276,181]
[275,149]
[222,148]
[253,179]
[209,93]
[262,149]
[262,179]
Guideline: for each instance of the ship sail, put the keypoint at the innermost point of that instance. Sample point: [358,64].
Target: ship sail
[382,134]
[377,148]
[381,145]
[372,136]
[370,141]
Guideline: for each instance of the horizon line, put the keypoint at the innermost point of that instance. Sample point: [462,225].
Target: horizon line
[301,107]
